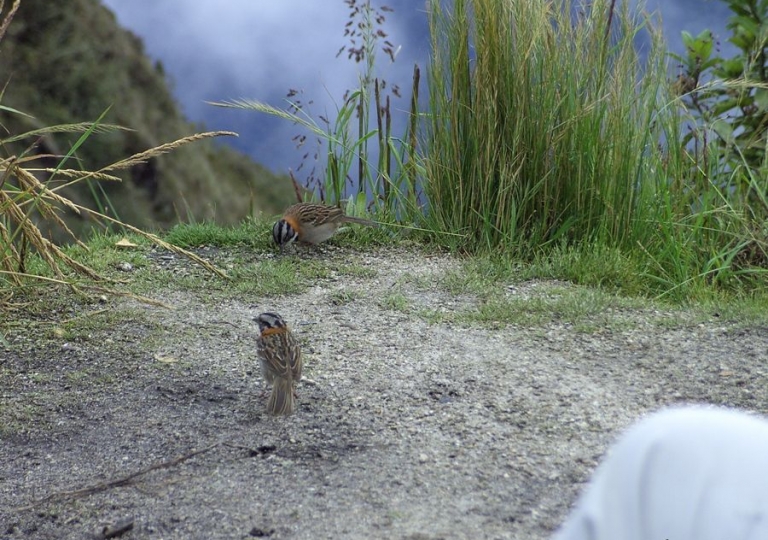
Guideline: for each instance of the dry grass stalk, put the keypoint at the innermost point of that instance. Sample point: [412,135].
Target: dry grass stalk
[31,185]
[9,17]
[77,176]
[28,231]
[80,127]
[10,255]
[142,157]
[28,192]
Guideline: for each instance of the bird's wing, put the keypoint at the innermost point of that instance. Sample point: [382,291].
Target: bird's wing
[272,349]
[296,363]
[328,214]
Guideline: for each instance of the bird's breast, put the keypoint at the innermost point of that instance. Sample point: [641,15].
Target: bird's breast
[314,234]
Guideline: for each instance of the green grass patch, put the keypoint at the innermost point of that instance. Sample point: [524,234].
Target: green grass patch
[274,276]
[586,288]
[278,276]
[343,297]
[588,309]
[396,301]
[101,252]
[255,233]
[551,304]
[353,269]
[254,264]
[16,418]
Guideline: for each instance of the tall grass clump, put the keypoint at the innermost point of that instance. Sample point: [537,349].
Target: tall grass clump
[721,161]
[23,196]
[702,235]
[542,124]
[357,155]
[548,129]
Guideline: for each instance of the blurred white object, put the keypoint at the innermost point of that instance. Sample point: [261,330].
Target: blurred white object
[690,473]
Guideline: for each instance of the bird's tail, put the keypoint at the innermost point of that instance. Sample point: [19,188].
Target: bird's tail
[359,221]
[281,401]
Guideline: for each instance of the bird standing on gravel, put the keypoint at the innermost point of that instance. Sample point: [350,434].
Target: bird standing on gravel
[280,357]
[311,223]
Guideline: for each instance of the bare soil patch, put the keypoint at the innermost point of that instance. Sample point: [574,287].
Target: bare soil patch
[406,428]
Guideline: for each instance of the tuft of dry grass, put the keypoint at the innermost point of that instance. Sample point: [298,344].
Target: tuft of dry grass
[143,157]
[21,191]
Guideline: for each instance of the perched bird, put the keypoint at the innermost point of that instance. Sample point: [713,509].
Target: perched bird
[311,223]
[280,357]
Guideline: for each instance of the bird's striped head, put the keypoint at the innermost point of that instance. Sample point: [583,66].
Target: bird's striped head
[283,234]
[270,321]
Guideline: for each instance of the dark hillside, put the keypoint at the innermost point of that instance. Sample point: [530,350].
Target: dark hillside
[66,62]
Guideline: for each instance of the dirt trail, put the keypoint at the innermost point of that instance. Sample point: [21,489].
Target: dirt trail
[406,428]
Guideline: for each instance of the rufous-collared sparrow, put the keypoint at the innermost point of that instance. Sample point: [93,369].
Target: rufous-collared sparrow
[311,223]
[280,357]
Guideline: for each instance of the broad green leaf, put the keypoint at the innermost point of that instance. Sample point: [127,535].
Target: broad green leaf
[677,57]
[687,39]
[738,7]
[746,24]
[761,98]
[732,68]
[724,106]
[704,45]
[724,130]
[741,41]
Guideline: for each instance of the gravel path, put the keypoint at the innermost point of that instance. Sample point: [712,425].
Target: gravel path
[408,427]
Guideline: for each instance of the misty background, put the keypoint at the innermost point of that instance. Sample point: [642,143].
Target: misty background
[260,49]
